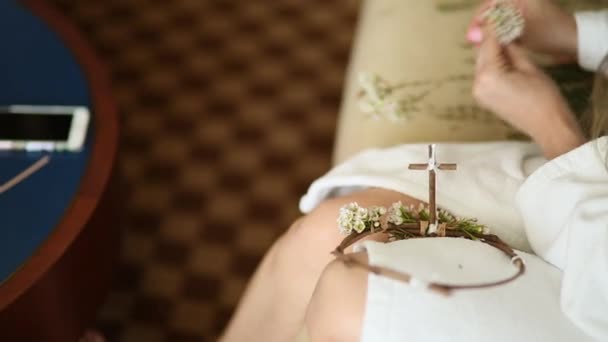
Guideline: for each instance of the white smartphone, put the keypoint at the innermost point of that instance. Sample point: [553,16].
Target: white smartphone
[47,128]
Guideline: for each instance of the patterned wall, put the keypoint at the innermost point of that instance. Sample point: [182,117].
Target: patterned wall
[228,113]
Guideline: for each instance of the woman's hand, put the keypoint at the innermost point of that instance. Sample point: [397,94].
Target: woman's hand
[549,28]
[510,85]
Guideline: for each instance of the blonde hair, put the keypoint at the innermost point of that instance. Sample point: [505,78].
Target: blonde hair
[595,119]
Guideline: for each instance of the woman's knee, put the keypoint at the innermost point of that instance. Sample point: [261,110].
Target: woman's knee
[313,237]
[335,312]
[308,243]
[319,228]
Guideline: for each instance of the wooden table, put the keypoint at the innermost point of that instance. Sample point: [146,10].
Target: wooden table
[58,229]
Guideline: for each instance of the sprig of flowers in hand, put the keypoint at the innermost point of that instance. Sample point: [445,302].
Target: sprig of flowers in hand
[506,20]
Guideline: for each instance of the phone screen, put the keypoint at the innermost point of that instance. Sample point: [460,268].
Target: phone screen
[35,127]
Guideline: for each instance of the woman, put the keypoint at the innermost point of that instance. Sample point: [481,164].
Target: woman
[549,198]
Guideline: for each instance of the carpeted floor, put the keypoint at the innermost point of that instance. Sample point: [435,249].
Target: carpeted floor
[228,112]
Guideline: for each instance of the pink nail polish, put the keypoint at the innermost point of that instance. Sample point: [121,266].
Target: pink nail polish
[475,35]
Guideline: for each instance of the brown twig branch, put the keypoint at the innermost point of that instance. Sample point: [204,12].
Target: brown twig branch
[413,230]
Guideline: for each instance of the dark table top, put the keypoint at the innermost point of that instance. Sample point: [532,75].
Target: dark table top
[36,67]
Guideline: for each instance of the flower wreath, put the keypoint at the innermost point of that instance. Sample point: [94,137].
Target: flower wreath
[401,223]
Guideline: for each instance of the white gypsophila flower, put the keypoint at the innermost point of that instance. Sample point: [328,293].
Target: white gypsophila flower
[344,220]
[352,217]
[361,219]
[445,216]
[394,110]
[424,209]
[374,87]
[376,98]
[396,213]
[375,215]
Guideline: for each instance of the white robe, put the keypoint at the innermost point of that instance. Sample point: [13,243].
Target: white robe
[592,29]
[555,213]
[557,209]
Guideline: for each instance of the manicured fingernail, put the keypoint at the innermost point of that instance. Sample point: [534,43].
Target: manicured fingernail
[475,35]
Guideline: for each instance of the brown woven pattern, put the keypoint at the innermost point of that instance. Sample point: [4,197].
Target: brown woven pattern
[228,112]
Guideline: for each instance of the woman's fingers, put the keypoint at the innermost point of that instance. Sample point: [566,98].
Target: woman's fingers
[488,70]
[475,29]
[478,18]
[475,35]
[494,56]
[519,58]
[490,54]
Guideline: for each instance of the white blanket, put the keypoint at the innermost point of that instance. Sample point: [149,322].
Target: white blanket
[557,209]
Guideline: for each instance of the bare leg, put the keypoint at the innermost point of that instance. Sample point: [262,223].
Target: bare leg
[274,305]
[337,306]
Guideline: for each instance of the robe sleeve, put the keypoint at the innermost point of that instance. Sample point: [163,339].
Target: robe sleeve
[564,205]
[592,30]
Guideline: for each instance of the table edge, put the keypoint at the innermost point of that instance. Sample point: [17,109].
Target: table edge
[100,165]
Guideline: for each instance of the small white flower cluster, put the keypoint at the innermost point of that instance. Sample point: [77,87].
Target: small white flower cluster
[507,20]
[375,216]
[377,99]
[399,214]
[355,218]
[352,218]
[446,216]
